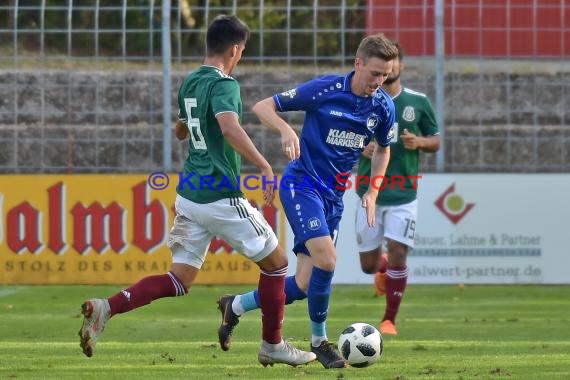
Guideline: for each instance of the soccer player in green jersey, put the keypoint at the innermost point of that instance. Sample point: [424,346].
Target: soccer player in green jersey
[210,111]
[397,204]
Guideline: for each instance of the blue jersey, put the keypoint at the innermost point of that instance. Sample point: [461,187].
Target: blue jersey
[338,125]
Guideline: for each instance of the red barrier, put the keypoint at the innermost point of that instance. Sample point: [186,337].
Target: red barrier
[489,28]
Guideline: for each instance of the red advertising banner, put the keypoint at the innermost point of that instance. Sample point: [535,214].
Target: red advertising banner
[102,229]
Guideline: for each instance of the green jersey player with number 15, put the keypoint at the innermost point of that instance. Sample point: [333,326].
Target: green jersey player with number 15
[396,206]
[210,115]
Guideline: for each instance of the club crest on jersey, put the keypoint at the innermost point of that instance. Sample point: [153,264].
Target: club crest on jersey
[289,94]
[409,113]
[372,122]
[314,223]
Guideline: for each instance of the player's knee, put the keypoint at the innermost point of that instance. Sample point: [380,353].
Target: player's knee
[328,265]
[276,260]
[187,282]
[369,262]
[398,254]
[184,275]
[368,266]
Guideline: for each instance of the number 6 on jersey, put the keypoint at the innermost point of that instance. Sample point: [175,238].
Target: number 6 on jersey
[194,125]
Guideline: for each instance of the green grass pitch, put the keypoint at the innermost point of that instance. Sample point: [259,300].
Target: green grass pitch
[445,332]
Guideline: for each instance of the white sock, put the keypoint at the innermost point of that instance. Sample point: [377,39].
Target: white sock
[317,340]
[237,306]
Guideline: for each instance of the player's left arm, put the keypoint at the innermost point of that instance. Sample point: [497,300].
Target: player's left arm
[428,144]
[383,135]
[379,163]
[429,140]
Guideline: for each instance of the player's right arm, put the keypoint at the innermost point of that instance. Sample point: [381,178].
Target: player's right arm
[181,130]
[301,98]
[369,150]
[266,111]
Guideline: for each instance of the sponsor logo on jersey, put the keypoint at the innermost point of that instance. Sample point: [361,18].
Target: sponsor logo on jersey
[345,139]
[336,113]
[409,113]
[289,94]
[372,122]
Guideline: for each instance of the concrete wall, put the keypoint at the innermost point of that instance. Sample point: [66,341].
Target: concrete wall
[83,121]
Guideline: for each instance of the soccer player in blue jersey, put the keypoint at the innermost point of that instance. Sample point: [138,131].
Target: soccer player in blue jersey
[343,113]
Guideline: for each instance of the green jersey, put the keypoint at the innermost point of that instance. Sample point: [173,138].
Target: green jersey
[212,168]
[414,113]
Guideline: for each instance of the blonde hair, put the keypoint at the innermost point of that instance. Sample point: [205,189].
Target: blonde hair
[378,46]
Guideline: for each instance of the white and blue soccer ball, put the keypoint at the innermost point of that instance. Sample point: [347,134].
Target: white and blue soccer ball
[360,344]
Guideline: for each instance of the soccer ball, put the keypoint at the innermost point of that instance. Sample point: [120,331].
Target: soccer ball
[360,344]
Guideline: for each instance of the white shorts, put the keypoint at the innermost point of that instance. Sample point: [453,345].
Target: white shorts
[396,223]
[233,219]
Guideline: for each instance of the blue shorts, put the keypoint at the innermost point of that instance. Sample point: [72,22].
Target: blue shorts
[310,214]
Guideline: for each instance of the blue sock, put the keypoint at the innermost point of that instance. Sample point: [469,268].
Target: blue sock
[319,294]
[292,291]
[250,301]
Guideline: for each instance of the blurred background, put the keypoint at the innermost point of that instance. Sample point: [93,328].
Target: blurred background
[82,82]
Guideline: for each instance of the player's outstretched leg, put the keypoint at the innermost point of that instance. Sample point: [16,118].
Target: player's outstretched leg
[96,313]
[229,321]
[285,353]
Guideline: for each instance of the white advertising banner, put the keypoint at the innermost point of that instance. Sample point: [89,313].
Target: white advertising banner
[477,229]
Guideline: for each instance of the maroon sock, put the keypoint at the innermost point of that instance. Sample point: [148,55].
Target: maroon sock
[396,280]
[145,291]
[271,292]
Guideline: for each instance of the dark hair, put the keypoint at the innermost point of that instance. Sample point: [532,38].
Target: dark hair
[400,50]
[378,46]
[223,32]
